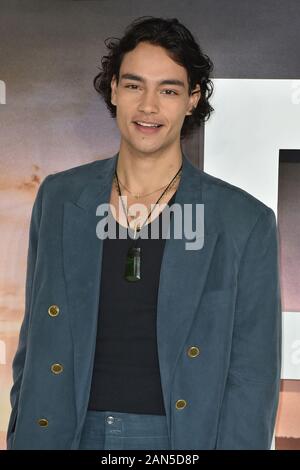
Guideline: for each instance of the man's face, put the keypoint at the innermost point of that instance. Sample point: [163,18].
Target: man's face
[144,98]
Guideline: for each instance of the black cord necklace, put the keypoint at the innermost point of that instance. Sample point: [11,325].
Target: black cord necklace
[133,259]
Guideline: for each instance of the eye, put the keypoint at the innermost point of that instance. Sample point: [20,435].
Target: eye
[128,86]
[172,92]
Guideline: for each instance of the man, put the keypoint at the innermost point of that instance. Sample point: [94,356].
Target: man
[86,373]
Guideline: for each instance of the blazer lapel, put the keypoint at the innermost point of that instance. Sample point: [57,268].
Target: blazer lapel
[182,278]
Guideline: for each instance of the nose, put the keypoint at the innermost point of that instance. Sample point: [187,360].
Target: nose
[149,102]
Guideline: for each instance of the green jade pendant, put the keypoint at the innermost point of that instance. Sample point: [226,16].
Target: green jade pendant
[133,261]
[133,264]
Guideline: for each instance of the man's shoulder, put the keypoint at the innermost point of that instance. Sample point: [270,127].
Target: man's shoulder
[223,190]
[233,206]
[69,182]
[80,171]
[67,185]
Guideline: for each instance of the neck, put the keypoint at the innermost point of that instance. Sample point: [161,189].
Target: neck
[146,173]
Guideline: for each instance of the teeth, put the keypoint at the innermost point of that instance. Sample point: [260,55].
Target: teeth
[147,125]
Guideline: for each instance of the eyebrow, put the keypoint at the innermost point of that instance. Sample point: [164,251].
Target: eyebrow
[167,81]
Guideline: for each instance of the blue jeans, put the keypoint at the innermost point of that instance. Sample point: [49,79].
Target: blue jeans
[115,430]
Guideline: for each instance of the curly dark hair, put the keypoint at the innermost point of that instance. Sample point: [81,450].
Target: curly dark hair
[170,34]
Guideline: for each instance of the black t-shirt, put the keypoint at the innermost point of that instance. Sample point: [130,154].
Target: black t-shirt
[126,375]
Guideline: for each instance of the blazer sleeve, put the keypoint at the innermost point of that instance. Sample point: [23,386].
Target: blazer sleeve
[20,355]
[250,400]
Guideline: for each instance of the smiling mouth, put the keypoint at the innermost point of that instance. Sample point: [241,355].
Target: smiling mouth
[147,130]
[148,125]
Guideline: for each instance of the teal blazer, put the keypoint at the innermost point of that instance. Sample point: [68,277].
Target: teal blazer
[218,316]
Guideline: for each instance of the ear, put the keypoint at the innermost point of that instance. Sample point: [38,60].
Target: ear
[194,99]
[113,85]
